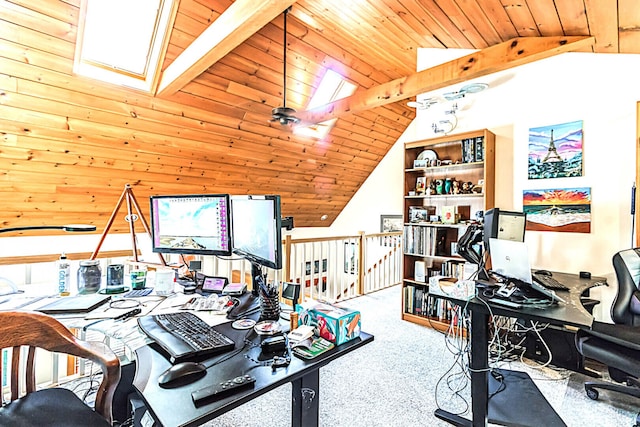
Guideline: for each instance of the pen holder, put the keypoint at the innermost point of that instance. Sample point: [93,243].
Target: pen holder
[269,306]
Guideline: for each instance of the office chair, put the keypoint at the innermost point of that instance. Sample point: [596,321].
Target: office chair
[51,406]
[618,345]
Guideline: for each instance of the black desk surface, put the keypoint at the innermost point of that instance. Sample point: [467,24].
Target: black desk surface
[174,407]
[570,313]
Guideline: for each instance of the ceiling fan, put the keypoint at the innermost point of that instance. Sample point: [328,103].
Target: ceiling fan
[465,90]
[284,114]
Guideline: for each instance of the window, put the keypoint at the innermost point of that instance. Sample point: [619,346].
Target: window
[332,87]
[122,41]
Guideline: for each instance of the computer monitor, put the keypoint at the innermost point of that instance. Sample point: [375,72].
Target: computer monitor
[504,225]
[196,224]
[256,224]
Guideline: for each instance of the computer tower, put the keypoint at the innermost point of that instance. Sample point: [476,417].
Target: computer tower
[561,343]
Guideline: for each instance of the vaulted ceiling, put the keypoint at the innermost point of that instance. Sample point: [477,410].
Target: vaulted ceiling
[70,144]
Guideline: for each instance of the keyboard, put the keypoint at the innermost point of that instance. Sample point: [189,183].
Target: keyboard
[549,282]
[185,336]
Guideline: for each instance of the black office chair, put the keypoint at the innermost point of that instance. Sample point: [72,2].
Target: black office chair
[618,345]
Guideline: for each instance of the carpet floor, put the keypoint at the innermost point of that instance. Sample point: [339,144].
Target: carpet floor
[408,372]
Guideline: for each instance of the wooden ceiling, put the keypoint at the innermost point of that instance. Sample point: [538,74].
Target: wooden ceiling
[70,144]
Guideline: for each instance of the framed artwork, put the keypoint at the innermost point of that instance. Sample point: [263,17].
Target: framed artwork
[558,209]
[350,258]
[316,266]
[555,151]
[390,223]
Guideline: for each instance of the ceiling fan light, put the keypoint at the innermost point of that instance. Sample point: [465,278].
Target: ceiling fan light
[474,88]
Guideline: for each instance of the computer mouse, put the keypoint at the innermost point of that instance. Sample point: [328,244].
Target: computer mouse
[544,272]
[181,374]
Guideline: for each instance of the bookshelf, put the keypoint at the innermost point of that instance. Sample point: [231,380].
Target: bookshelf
[447,181]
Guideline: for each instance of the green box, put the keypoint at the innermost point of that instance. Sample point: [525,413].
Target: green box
[333,323]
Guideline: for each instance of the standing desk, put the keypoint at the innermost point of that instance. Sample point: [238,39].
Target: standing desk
[174,407]
[507,406]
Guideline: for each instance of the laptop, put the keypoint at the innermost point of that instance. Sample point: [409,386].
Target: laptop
[511,260]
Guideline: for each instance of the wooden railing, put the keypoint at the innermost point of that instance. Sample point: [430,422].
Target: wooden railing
[339,268]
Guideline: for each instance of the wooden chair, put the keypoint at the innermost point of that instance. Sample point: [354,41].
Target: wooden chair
[52,406]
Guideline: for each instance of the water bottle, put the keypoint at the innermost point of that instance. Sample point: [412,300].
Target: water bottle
[64,275]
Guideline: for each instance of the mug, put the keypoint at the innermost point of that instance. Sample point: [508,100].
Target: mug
[138,279]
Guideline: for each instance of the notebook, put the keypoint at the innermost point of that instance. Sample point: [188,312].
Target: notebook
[511,260]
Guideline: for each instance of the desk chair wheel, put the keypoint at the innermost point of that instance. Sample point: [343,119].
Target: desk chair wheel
[592,393]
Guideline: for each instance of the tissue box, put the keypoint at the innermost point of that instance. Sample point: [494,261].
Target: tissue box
[333,323]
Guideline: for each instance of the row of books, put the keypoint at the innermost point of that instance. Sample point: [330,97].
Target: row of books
[418,301]
[473,149]
[453,269]
[419,240]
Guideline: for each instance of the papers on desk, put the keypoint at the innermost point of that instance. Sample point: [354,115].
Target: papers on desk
[212,303]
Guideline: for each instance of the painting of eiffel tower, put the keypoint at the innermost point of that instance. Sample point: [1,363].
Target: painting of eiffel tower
[555,151]
[552,154]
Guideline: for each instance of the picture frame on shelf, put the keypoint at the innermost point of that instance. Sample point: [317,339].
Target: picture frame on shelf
[418,214]
[421,185]
[420,164]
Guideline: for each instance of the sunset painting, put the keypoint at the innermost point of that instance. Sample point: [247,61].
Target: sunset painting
[555,151]
[561,209]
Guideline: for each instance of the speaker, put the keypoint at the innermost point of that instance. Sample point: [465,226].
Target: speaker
[419,272]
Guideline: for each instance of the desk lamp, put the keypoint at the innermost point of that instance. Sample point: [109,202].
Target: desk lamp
[72,228]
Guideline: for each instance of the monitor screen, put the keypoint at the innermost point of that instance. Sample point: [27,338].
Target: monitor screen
[256,223]
[504,225]
[191,224]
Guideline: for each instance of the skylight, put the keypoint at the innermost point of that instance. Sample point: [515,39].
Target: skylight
[332,87]
[121,41]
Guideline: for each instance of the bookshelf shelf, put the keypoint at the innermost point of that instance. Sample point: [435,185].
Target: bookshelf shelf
[430,192]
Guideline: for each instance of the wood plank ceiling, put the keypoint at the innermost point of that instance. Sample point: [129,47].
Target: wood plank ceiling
[70,144]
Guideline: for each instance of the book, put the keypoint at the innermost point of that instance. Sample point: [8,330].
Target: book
[479,149]
[317,347]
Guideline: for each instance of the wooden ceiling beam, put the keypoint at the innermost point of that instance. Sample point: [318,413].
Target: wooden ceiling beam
[503,56]
[239,22]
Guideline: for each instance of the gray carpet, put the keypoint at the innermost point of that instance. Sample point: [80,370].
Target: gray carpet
[392,382]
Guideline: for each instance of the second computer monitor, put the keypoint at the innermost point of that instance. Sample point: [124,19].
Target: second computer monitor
[256,224]
[504,225]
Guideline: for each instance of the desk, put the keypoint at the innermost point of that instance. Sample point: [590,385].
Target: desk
[572,313]
[174,407]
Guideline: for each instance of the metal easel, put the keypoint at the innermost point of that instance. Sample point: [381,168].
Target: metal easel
[127,195]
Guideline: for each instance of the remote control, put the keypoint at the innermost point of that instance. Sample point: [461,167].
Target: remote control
[224,388]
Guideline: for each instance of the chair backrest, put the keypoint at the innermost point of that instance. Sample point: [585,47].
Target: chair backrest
[626,305]
[37,330]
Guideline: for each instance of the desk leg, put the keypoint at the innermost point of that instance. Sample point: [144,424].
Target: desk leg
[479,365]
[304,400]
